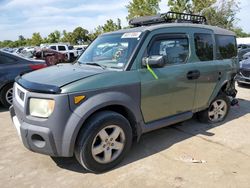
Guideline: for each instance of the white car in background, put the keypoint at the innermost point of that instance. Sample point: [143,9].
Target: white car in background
[66,49]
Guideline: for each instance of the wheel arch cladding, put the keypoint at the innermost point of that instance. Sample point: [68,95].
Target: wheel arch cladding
[221,87]
[119,102]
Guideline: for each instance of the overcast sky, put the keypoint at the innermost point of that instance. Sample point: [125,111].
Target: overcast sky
[24,17]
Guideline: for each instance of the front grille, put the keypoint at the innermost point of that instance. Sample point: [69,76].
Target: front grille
[20,94]
[245,73]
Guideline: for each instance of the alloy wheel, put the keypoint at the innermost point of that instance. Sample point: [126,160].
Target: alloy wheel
[108,144]
[9,96]
[217,110]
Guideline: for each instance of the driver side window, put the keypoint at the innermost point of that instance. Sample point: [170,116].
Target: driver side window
[175,49]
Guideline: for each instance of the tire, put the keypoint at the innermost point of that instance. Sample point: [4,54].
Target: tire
[216,113]
[71,57]
[6,95]
[67,57]
[103,141]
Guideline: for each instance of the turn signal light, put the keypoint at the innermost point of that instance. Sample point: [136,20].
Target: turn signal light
[78,99]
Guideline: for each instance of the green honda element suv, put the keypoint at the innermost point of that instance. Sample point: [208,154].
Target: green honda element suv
[163,70]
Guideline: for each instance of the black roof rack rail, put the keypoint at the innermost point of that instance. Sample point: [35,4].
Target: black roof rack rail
[169,17]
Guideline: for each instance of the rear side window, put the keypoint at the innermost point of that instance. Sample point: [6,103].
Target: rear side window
[61,48]
[6,60]
[226,47]
[204,46]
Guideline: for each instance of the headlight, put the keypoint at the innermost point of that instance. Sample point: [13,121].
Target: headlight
[41,107]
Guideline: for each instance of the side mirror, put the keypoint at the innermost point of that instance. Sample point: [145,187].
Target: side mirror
[155,61]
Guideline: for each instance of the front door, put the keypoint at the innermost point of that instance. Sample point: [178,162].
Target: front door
[174,90]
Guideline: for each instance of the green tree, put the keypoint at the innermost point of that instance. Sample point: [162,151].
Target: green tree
[98,31]
[6,43]
[240,33]
[21,41]
[65,36]
[180,5]
[80,35]
[137,8]
[220,13]
[36,39]
[223,14]
[21,38]
[54,37]
[199,6]
[110,25]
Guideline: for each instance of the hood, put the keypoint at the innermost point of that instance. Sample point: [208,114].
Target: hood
[51,79]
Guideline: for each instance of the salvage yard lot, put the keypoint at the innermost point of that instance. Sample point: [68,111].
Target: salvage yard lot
[190,154]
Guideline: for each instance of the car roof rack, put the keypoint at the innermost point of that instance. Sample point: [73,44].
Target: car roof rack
[169,17]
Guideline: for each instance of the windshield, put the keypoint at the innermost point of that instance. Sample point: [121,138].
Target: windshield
[111,51]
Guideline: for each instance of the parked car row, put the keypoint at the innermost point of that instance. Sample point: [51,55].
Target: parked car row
[68,50]
[242,50]
[71,53]
[243,77]
[51,57]
[18,61]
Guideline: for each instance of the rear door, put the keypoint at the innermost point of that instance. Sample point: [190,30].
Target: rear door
[207,65]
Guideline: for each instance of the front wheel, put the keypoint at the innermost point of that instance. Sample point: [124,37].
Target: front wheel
[6,95]
[217,111]
[103,142]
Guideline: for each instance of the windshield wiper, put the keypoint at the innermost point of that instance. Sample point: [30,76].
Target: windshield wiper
[96,64]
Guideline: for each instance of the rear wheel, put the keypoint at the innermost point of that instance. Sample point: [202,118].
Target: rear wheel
[6,95]
[104,141]
[217,110]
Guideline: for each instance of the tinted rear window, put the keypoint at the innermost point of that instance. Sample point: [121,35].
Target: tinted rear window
[61,48]
[226,47]
[204,46]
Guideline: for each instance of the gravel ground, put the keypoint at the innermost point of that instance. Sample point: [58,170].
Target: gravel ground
[189,154]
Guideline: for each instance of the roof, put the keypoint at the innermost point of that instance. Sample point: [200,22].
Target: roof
[215,29]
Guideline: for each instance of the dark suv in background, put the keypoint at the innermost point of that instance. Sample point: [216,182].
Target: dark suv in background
[11,66]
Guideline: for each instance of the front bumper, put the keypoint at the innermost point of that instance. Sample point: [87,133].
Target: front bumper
[35,138]
[242,79]
[54,136]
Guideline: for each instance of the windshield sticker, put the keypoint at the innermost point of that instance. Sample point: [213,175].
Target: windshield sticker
[131,35]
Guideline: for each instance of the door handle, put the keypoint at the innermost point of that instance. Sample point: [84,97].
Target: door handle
[193,74]
[219,77]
